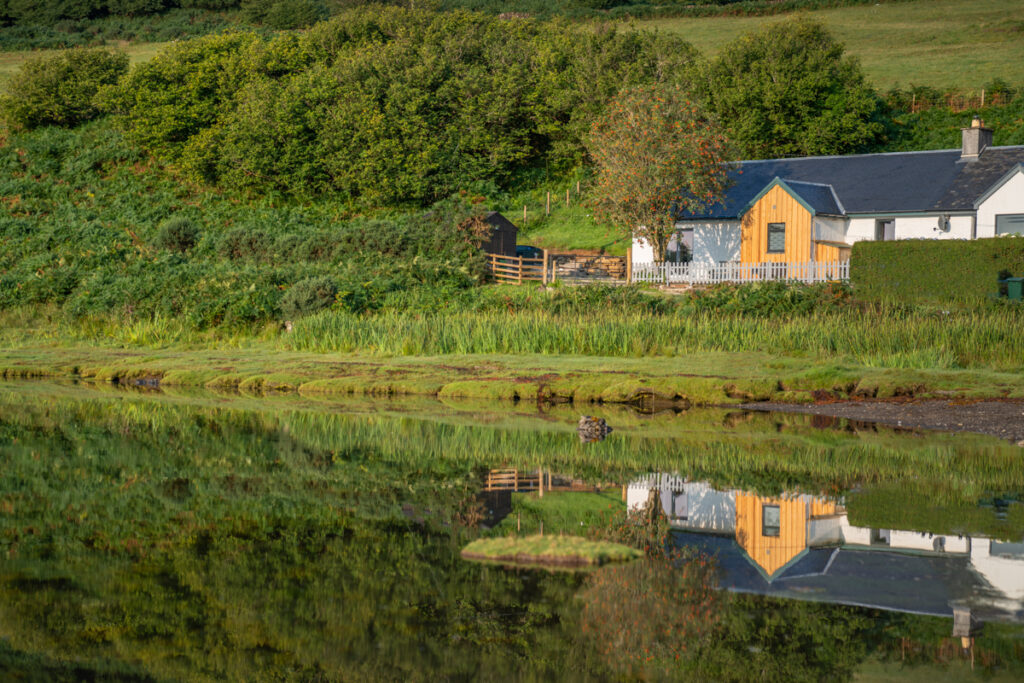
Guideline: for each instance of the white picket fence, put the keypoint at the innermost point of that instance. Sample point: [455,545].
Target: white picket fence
[713,273]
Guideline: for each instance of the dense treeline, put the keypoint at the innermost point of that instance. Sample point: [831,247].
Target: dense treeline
[386,106]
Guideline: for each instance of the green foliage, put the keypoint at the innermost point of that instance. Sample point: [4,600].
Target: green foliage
[656,154]
[789,90]
[174,24]
[285,14]
[77,237]
[59,89]
[386,106]
[939,127]
[308,296]
[934,272]
[770,298]
[177,234]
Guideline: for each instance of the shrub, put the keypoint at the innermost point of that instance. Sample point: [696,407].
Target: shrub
[934,271]
[245,243]
[290,14]
[308,296]
[177,234]
[59,90]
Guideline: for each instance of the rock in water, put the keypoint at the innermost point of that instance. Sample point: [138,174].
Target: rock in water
[592,429]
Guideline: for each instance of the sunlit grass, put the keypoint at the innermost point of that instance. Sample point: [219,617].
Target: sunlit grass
[940,43]
[10,62]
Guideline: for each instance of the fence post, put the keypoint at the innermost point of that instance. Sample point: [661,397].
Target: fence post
[982,98]
[524,214]
[547,206]
[519,273]
[544,275]
[567,198]
[629,265]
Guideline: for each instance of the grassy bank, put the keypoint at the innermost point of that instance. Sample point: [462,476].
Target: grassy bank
[706,378]
[939,43]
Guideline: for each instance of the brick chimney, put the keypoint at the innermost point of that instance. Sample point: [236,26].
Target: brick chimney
[975,139]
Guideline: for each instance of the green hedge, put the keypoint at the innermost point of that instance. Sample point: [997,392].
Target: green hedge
[934,271]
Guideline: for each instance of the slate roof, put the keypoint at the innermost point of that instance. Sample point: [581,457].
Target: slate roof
[895,182]
[920,583]
[821,198]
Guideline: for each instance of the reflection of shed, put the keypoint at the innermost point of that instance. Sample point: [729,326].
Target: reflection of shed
[503,235]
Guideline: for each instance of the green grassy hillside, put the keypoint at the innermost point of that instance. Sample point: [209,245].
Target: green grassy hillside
[941,43]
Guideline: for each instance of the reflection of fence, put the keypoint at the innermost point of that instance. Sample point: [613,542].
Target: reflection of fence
[713,273]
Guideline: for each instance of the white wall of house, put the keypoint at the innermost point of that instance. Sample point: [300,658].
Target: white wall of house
[712,242]
[928,227]
[643,251]
[1003,570]
[1008,199]
[709,510]
[858,229]
[715,241]
[825,531]
[706,509]
[830,229]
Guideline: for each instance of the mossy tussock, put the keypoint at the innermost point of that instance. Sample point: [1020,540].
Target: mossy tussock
[561,551]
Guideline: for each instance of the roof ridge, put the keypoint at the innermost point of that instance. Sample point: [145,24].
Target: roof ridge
[874,154]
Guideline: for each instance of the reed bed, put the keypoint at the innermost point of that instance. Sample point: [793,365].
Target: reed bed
[986,338]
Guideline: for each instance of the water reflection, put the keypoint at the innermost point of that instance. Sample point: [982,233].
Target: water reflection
[804,546]
[200,537]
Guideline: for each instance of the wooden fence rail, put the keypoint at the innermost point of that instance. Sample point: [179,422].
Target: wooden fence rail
[708,273]
[517,269]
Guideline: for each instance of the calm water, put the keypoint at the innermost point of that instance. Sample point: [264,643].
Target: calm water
[151,535]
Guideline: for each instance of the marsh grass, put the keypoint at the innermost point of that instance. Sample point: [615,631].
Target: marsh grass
[890,339]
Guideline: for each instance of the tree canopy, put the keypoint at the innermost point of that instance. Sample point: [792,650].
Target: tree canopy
[387,106]
[656,154]
[789,90]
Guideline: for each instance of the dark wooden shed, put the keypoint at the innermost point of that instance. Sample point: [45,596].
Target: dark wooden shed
[503,235]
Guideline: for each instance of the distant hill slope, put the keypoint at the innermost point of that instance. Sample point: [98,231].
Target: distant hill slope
[940,43]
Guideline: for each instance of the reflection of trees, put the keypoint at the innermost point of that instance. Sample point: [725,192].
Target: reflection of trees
[648,614]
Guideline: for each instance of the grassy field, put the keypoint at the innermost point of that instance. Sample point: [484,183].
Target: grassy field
[11,61]
[939,43]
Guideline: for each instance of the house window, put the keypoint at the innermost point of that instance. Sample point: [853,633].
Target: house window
[1010,224]
[776,238]
[885,230]
[770,520]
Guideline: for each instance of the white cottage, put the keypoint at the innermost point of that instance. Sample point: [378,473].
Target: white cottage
[813,209]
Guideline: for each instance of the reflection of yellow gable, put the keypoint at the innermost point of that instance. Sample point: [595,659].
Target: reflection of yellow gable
[771,553]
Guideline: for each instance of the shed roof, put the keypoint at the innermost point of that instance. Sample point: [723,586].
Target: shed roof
[896,182]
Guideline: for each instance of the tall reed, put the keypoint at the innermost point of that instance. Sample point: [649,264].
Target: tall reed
[982,338]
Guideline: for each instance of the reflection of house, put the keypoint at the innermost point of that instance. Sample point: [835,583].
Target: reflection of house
[803,546]
[813,209]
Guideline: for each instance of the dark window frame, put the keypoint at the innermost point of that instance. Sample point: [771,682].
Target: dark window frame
[995,223]
[767,530]
[768,246]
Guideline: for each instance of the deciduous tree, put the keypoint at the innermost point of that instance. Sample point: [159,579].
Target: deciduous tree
[656,155]
[789,90]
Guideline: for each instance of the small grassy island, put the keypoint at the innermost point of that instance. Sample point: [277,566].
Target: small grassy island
[562,551]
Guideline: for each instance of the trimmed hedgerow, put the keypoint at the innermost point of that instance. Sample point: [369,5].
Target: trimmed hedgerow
[934,271]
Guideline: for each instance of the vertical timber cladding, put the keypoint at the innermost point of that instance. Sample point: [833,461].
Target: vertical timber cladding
[777,206]
[771,553]
[824,252]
